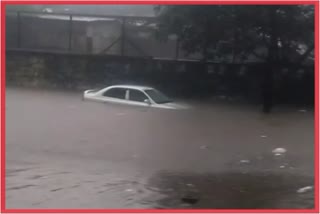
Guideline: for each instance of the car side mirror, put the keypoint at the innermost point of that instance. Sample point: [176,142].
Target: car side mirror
[147,101]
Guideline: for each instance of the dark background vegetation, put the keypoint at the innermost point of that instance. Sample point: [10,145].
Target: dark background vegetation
[258,53]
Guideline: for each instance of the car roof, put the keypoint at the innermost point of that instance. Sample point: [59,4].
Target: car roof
[137,87]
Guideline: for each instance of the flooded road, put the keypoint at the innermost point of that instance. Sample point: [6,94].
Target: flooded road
[66,153]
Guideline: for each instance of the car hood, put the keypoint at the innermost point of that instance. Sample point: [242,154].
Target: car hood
[91,91]
[174,105]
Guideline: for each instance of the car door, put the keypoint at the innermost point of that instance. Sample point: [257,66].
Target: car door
[137,98]
[115,95]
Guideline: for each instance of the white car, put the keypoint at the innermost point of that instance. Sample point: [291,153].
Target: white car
[132,95]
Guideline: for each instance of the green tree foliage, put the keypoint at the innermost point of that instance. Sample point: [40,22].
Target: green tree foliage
[240,30]
[121,10]
[275,34]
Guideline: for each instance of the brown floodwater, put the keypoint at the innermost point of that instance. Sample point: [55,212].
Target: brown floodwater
[62,152]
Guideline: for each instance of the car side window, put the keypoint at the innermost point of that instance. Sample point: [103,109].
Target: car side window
[115,93]
[137,96]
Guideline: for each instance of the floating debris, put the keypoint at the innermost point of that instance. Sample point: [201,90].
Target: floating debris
[282,167]
[129,190]
[245,161]
[302,110]
[279,151]
[304,189]
[263,136]
[190,185]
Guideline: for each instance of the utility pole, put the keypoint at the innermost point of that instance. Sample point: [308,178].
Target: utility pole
[123,36]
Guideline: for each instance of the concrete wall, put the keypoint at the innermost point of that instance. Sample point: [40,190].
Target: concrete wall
[185,79]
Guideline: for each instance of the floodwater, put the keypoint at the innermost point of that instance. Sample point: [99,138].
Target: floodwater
[62,152]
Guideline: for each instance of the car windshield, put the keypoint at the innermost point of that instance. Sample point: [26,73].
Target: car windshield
[157,96]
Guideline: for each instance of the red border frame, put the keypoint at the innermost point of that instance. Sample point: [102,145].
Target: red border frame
[270,2]
[166,2]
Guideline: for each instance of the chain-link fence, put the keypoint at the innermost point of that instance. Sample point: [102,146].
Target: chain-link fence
[76,33]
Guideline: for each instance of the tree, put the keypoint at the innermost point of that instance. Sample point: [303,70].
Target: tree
[121,10]
[275,34]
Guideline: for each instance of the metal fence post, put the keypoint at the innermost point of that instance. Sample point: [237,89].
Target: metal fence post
[70,33]
[123,36]
[18,30]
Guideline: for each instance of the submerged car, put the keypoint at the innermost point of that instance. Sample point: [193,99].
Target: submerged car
[132,95]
